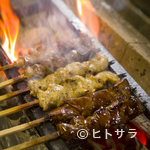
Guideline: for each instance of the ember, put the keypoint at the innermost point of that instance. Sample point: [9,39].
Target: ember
[140,134]
[10,28]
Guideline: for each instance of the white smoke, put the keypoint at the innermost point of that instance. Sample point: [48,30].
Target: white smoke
[41,23]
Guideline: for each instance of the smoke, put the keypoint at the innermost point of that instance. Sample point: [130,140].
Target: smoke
[41,23]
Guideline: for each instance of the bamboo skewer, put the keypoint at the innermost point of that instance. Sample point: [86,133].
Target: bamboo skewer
[34,142]
[24,126]
[15,93]
[18,108]
[12,81]
[7,67]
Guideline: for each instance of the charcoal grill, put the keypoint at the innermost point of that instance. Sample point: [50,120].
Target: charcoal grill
[35,112]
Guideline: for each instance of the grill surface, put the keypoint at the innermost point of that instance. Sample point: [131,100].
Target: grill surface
[36,112]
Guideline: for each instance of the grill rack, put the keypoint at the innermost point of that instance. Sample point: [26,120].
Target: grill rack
[114,66]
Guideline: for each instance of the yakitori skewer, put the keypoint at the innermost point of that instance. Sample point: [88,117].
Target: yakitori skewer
[73,87]
[49,65]
[40,52]
[116,110]
[94,65]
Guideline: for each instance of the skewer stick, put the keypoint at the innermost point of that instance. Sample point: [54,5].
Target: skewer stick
[18,108]
[8,66]
[15,93]
[24,126]
[12,81]
[37,141]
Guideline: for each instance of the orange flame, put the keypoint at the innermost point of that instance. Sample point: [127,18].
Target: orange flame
[88,16]
[10,27]
[79,6]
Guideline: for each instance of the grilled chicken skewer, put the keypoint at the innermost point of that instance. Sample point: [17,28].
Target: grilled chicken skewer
[73,87]
[76,86]
[116,106]
[42,61]
[86,100]
[49,65]
[39,53]
[94,65]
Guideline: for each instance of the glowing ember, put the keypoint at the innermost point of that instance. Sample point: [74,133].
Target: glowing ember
[10,27]
[140,134]
[141,137]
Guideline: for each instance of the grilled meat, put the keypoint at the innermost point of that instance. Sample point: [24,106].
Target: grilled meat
[118,112]
[54,95]
[49,65]
[86,105]
[39,53]
[99,110]
[93,66]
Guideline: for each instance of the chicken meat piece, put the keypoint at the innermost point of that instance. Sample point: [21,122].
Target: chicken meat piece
[93,66]
[73,87]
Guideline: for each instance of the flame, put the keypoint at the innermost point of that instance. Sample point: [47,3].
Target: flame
[79,6]
[88,16]
[10,27]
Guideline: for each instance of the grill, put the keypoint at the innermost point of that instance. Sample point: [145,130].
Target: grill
[142,122]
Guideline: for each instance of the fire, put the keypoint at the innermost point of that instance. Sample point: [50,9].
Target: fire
[10,27]
[80,3]
[88,16]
